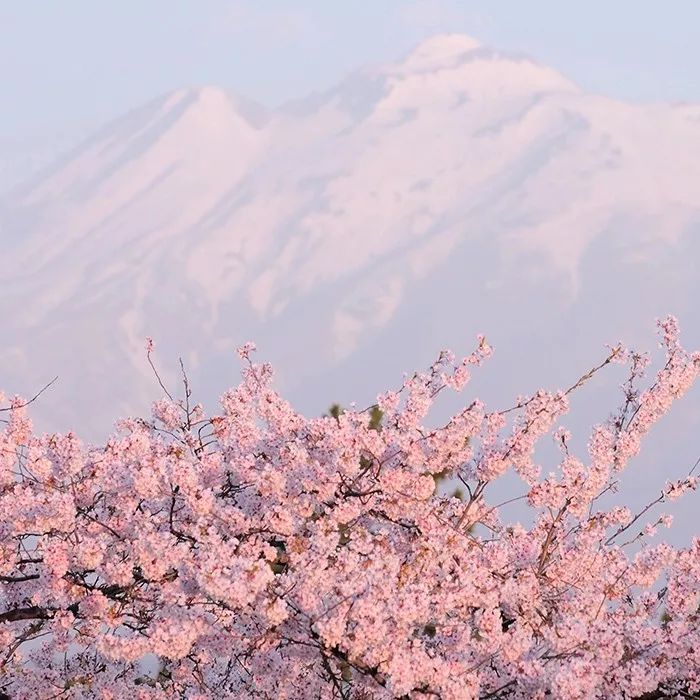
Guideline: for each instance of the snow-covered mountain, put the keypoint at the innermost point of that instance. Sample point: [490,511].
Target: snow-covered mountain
[352,235]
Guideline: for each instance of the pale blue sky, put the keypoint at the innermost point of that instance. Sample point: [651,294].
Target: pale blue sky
[65,67]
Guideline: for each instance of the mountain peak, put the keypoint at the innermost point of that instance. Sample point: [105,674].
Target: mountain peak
[212,104]
[441,47]
[211,95]
[446,44]
[480,65]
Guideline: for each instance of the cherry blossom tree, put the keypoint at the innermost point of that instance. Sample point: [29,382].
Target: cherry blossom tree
[258,553]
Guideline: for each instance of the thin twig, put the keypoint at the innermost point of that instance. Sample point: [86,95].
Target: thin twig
[160,381]
[34,398]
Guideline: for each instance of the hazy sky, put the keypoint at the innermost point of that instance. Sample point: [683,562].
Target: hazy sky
[66,67]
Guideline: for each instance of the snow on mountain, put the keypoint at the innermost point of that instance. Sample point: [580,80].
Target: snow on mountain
[352,234]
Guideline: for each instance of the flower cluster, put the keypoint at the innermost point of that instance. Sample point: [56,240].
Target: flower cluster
[261,554]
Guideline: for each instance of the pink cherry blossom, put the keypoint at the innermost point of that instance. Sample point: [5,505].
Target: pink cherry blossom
[258,553]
